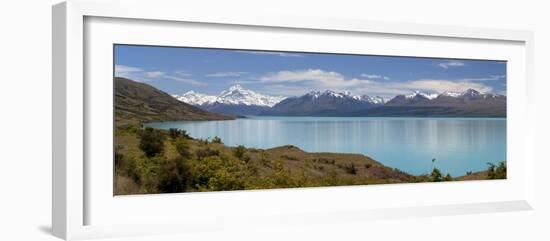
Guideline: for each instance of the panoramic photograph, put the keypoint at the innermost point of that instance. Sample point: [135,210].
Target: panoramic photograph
[192,119]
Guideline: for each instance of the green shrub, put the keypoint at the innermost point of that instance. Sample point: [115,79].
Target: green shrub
[350,168]
[448,177]
[216,173]
[130,169]
[175,133]
[119,159]
[436,175]
[206,152]
[288,157]
[501,171]
[239,151]
[182,147]
[496,172]
[217,140]
[151,142]
[490,170]
[174,176]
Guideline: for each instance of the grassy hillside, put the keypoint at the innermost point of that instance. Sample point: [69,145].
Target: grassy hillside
[138,102]
[158,161]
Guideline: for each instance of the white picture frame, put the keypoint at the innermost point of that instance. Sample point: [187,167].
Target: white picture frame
[75,193]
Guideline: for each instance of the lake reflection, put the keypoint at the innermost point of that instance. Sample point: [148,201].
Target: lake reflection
[458,144]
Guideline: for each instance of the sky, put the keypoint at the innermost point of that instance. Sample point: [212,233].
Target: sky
[176,70]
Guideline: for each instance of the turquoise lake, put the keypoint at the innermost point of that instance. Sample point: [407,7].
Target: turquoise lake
[409,144]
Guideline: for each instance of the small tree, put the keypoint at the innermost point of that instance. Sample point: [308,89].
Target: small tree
[182,147]
[152,142]
[174,133]
[174,176]
[436,175]
[448,177]
[491,171]
[239,151]
[217,140]
[500,172]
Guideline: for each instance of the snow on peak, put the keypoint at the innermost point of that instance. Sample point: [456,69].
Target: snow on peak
[425,95]
[470,92]
[347,94]
[372,99]
[193,98]
[451,94]
[235,95]
[237,87]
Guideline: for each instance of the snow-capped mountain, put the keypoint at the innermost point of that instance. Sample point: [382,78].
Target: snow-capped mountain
[347,94]
[235,101]
[235,95]
[327,103]
[194,98]
[418,93]
[466,103]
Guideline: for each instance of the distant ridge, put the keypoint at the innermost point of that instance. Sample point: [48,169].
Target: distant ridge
[470,103]
[138,102]
[327,103]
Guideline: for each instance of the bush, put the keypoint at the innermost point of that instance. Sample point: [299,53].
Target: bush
[129,167]
[216,173]
[182,147]
[206,152]
[496,172]
[174,176]
[351,169]
[217,140]
[239,151]
[291,158]
[175,133]
[448,177]
[119,159]
[152,142]
[501,171]
[436,175]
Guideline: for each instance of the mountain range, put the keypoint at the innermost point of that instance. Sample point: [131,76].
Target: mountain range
[234,101]
[327,103]
[470,103]
[240,101]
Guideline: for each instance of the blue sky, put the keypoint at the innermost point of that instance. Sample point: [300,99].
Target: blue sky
[209,71]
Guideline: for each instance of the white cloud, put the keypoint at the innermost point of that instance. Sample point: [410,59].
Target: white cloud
[183,73]
[439,86]
[323,79]
[126,71]
[154,74]
[489,78]
[162,75]
[317,79]
[138,74]
[281,54]
[449,64]
[226,74]
[375,76]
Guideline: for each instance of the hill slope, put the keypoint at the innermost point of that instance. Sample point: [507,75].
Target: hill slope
[138,102]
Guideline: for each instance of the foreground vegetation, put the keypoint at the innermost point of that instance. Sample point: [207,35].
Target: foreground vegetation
[149,160]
